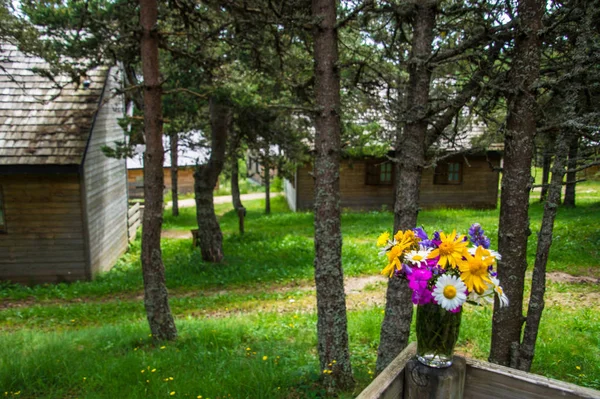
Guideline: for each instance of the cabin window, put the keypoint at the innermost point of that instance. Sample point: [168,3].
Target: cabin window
[448,173]
[2,218]
[379,173]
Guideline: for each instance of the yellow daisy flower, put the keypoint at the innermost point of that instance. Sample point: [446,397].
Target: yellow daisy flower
[383,239]
[474,270]
[450,250]
[406,239]
[394,259]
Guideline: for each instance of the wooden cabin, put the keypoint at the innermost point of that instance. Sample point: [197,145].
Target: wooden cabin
[188,158]
[461,181]
[63,203]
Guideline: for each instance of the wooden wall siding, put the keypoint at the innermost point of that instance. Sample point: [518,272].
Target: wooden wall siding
[35,127]
[354,193]
[185,181]
[105,190]
[479,188]
[44,239]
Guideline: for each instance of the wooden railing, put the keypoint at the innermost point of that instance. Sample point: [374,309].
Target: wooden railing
[480,380]
[134,220]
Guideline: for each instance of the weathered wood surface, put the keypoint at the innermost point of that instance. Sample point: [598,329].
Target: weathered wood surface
[134,221]
[105,193]
[389,384]
[483,380]
[44,238]
[35,127]
[421,381]
[486,380]
[479,188]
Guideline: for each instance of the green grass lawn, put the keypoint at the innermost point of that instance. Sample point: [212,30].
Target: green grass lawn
[247,326]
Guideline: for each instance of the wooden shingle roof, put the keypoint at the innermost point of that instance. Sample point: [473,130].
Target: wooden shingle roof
[41,123]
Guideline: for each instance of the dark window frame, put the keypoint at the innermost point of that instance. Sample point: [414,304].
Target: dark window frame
[448,173]
[375,170]
[2,212]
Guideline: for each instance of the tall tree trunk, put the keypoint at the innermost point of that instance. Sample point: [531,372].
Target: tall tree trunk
[410,160]
[569,200]
[332,328]
[174,173]
[538,282]
[210,237]
[513,230]
[267,179]
[156,301]
[236,198]
[234,144]
[546,163]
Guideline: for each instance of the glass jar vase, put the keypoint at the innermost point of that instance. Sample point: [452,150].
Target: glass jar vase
[437,333]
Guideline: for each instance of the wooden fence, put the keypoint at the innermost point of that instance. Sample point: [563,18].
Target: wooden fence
[134,220]
[483,381]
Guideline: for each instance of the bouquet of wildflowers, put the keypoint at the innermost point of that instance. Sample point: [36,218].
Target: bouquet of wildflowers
[444,269]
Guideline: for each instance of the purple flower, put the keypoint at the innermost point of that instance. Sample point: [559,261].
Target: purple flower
[418,281]
[419,232]
[422,297]
[478,237]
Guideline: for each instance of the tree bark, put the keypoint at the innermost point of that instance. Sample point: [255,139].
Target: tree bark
[267,179]
[332,333]
[513,230]
[234,144]
[410,161]
[210,237]
[156,301]
[538,282]
[236,198]
[174,171]
[569,200]
[546,163]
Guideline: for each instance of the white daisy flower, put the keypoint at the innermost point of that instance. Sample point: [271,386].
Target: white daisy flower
[449,292]
[500,292]
[417,258]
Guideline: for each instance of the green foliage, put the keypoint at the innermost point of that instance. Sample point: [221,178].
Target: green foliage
[90,339]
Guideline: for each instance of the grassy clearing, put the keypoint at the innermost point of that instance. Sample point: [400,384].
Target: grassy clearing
[91,339]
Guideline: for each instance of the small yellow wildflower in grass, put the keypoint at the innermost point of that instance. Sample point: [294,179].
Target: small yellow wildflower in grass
[171,378]
[172,393]
[73,321]
[383,239]
[578,367]
[153,370]
[143,371]
[199,397]
[162,347]
[265,357]
[248,349]
[450,249]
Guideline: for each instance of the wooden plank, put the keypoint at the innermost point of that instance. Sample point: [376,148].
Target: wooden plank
[492,381]
[390,383]
[134,218]
[135,208]
[421,381]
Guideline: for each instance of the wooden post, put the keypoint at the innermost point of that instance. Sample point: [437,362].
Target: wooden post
[421,381]
[241,213]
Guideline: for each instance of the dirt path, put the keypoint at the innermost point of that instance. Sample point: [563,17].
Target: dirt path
[363,291]
[223,199]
